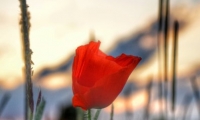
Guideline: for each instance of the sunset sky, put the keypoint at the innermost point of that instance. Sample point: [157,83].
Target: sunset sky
[59,27]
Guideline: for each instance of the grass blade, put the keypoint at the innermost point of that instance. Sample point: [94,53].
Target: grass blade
[186,103]
[4,102]
[39,99]
[40,110]
[97,114]
[195,89]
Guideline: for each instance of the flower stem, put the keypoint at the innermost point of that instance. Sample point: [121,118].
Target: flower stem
[112,112]
[89,114]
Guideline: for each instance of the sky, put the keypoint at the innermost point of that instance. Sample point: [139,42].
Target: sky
[59,27]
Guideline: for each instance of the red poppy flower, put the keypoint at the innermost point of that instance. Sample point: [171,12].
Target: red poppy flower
[97,77]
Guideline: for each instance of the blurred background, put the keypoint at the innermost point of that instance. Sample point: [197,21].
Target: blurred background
[123,26]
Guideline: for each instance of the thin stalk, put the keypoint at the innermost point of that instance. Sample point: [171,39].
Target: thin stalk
[112,112]
[166,54]
[149,87]
[166,40]
[174,61]
[25,26]
[159,39]
[160,16]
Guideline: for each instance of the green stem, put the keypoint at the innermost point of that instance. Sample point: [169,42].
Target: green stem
[112,112]
[89,114]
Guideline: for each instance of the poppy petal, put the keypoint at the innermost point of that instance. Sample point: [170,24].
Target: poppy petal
[106,90]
